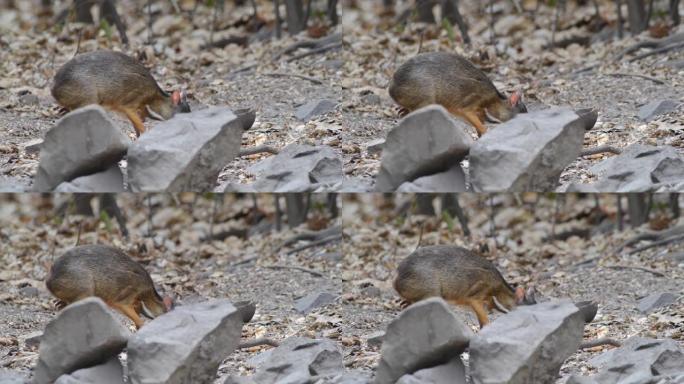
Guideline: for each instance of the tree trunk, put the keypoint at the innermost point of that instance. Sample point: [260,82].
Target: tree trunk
[674,205]
[451,205]
[674,12]
[424,204]
[332,12]
[637,208]
[424,8]
[83,8]
[294,15]
[636,15]
[295,206]
[450,12]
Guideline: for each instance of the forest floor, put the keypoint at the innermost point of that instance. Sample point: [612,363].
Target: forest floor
[235,76]
[180,262]
[375,47]
[359,270]
[377,239]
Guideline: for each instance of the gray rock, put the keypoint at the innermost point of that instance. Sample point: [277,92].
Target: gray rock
[232,379]
[374,147]
[110,372]
[375,339]
[9,377]
[110,180]
[297,360]
[187,152]
[83,142]
[185,345]
[258,360]
[527,153]
[29,291]
[424,335]
[297,168]
[426,141]
[452,372]
[247,309]
[588,309]
[314,108]
[314,300]
[639,168]
[639,360]
[32,147]
[32,339]
[656,108]
[84,334]
[349,378]
[29,99]
[452,180]
[356,185]
[527,345]
[656,300]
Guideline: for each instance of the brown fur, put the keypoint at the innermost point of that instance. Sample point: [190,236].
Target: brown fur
[456,274]
[453,82]
[108,273]
[115,81]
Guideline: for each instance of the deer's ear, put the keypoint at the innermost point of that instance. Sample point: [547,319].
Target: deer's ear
[176,97]
[515,98]
[519,295]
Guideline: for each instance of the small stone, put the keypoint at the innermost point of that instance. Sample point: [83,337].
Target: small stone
[108,181]
[657,300]
[656,108]
[111,372]
[29,291]
[374,147]
[314,300]
[314,108]
[375,339]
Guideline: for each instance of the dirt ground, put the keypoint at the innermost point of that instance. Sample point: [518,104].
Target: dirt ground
[376,47]
[377,239]
[235,76]
[180,263]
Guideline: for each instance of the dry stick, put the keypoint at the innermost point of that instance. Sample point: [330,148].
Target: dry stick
[620,266]
[315,51]
[280,74]
[311,236]
[599,342]
[316,243]
[258,149]
[658,51]
[600,149]
[257,342]
[621,74]
[659,243]
[307,270]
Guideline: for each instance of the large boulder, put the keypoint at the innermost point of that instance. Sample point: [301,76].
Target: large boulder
[111,372]
[425,142]
[83,142]
[527,345]
[452,372]
[425,334]
[185,345]
[656,108]
[639,168]
[84,334]
[297,360]
[9,377]
[639,360]
[297,168]
[452,180]
[654,301]
[529,152]
[188,151]
[110,180]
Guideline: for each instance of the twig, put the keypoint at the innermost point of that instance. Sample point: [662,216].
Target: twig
[621,74]
[312,44]
[658,51]
[315,51]
[257,342]
[600,149]
[312,236]
[599,342]
[316,243]
[258,149]
[307,270]
[280,74]
[659,243]
[620,266]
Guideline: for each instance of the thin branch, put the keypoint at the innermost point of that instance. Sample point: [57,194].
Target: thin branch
[620,266]
[281,74]
[621,74]
[307,270]
[258,149]
[315,51]
[599,342]
[600,149]
[316,243]
[659,243]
